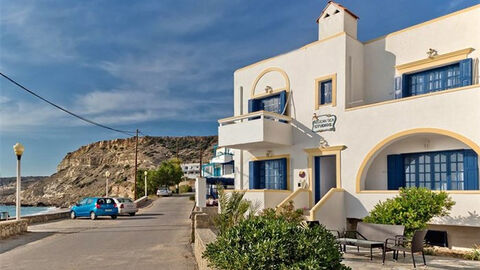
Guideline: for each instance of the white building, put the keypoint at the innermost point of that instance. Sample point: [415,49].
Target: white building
[340,124]
[191,170]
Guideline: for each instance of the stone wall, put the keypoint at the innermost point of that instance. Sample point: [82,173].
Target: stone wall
[202,238]
[12,227]
[47,217]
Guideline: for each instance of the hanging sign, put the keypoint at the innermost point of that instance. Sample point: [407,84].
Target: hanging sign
[324,122]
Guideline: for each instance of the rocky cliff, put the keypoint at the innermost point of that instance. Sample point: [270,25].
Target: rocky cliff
[82,173]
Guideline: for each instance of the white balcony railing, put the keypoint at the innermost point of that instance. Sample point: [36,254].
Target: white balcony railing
[260,129]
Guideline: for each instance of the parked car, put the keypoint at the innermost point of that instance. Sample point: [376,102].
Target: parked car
[126,206]
[93,207]
[164,192]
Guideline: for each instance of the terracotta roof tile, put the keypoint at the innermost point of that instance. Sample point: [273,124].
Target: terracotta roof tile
[340,6]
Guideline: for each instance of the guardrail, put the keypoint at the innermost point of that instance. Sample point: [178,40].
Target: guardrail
[261,114]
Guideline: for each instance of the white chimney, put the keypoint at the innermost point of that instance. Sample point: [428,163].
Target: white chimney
[335,19]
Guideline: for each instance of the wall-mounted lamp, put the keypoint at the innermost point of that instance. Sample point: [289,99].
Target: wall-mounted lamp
[268,89]
[432,53]
[269,153]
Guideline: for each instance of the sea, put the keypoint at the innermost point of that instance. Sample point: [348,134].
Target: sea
[26,210]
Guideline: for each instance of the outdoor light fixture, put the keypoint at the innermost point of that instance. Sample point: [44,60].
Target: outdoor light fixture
[145,173]
[268,89]
[107,174]
[18,149]
[432,53]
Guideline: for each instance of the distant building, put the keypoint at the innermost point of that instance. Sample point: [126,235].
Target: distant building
[191,170]
[220,170]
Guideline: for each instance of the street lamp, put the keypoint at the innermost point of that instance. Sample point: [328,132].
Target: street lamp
[18,149]
[107,174]
[145,173]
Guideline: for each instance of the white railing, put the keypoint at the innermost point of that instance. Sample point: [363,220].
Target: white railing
[260,114]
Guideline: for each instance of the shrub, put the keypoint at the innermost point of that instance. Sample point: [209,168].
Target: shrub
[267,242]
[474,255]
[233,209]
[413,208]
[287,212]
[185,188]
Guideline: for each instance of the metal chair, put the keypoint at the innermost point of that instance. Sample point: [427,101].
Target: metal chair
[413,245]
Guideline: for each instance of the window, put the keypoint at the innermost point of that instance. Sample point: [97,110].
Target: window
[437,79]
[434,80]
[325,95]
[273,103]
[325,91]
[268,174]
[443,170]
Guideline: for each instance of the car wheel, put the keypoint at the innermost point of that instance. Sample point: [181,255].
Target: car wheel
[132,214]
[73,215]
[113,217]
[93,216]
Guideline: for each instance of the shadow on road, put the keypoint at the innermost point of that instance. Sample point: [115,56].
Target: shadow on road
[20,240]
[149,215]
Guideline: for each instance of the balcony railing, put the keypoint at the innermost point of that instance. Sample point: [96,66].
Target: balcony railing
[260,129]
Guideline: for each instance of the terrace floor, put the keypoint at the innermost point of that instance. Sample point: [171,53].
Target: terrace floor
[362,261]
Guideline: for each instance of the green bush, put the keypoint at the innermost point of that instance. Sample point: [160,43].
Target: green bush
[267,242]
[474,255]
[185,188]
[286,211]
[413,208]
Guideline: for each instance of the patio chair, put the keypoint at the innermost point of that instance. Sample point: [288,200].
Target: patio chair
[413,245]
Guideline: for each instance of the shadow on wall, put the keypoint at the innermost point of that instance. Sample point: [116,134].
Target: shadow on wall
[354,207]
[472,219]
[379,74]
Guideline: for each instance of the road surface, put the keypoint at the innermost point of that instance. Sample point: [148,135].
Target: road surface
[156,238]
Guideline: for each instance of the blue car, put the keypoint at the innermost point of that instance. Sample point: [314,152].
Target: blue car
[93,207]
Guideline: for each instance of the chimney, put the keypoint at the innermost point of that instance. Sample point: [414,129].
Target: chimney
[335,19]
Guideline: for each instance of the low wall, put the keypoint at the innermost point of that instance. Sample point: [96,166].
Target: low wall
[202,238]
[12,227]
[47,217]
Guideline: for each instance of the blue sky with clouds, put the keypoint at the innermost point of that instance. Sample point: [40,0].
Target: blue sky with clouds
[165,67]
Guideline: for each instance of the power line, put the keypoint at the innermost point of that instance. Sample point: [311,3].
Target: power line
[129,133]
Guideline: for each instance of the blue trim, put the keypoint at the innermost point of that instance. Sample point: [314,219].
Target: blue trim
[317,179]
[470,163]
[466,72]
[395,172]
[275,103]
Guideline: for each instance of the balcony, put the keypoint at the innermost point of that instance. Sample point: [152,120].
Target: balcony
[223,158]
[255,130]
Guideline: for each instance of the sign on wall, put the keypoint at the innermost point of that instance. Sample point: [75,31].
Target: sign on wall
[324,122]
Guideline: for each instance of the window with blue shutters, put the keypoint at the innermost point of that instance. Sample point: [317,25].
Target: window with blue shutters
[437,79]
[268,174]
[441,170]
[273,103]
[325,94]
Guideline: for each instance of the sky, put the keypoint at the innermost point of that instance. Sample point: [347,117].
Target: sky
[164,67]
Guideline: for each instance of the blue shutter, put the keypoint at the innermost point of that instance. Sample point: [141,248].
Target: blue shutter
[254,174]
[397,87]
[470,166]
[283,170]
[466,72]
[283,102]
[252,105]
[405,90]
[395,172]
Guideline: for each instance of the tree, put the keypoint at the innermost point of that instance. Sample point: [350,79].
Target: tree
[413,208]
[170,172]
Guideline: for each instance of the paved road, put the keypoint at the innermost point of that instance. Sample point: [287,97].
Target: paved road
[157,238]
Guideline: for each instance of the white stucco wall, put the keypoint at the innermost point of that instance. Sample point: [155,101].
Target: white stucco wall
[361,129]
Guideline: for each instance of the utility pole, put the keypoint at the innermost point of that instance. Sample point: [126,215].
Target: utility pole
[136,155]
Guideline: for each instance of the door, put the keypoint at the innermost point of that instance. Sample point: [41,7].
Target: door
[325,176]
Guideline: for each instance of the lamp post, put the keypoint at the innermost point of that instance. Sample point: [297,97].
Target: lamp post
[145,173]
[18,149]
[107,174]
